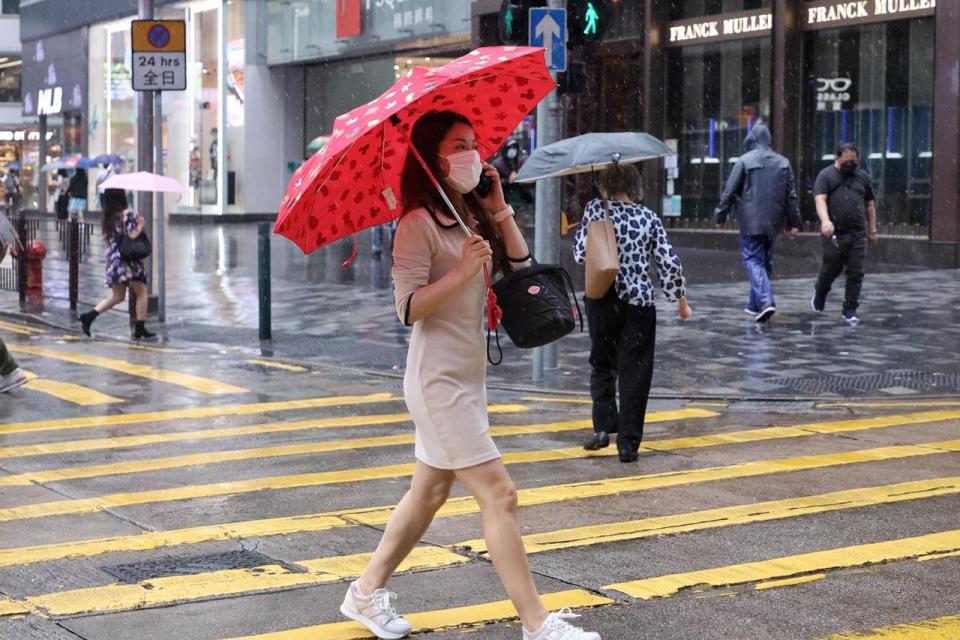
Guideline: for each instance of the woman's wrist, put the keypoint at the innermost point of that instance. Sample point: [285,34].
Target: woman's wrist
[502,214]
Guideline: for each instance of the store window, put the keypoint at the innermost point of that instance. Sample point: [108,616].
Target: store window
[10,69]
[681,9]
[715,94]
[873,86]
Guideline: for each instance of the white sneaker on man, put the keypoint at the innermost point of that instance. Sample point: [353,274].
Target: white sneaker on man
[556,627]
[12,380]
[375,613]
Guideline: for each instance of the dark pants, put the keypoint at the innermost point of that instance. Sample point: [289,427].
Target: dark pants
[757,252]
[7,363]
[622,338]
[848,253]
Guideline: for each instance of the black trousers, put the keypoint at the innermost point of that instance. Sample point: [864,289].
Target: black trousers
[848,254]
[622,338]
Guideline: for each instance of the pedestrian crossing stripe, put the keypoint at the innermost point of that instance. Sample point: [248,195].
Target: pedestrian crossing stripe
[92,505]
[73,393]
[441,619]
[889,404]
[10,607]
[664,586]
[944,628]
[88,422]
[278,365]
[456,506]
[170,590]
[214,457]
[21,329]
[803,564]
[558,400]
[185,380]
[120,442]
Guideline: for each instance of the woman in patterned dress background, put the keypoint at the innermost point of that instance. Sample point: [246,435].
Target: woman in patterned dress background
[118,219]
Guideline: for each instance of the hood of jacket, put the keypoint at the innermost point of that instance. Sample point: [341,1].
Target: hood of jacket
[759,136]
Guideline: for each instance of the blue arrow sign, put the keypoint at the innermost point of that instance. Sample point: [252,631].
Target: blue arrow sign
[548,29]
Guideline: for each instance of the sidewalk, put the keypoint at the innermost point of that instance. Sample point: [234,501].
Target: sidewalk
[907,345]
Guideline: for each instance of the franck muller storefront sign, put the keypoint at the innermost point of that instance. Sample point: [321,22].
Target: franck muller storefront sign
[728,26]
[823,14]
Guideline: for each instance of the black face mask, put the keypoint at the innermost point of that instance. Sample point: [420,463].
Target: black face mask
[848,168]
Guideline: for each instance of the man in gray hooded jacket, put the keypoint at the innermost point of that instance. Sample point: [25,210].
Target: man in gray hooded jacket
[762,182]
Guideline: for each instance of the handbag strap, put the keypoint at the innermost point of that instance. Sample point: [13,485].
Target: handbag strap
[573,292]
[494,315]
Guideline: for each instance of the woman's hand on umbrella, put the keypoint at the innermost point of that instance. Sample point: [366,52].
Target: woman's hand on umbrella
[476,252]
[494,201]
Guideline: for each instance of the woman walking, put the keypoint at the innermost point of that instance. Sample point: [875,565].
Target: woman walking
[440,289]
[623,322]
[77,190]
[117,220]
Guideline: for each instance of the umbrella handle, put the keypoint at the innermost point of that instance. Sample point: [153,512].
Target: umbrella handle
[443,194]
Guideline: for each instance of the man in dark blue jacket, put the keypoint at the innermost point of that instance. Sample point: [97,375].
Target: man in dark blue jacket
[763,184]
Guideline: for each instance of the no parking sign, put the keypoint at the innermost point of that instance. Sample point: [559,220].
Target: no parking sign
[159,55]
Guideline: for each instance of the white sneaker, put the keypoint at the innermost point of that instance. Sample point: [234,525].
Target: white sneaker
[12,380]
[375,613]
[556,627]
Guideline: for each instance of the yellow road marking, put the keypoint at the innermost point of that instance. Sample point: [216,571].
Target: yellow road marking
[193,412]
[557,400]
[165,591]
[68,391]
[10,607]
[278,365]
[22,329]
[93,444]
[457,506]
[700,403]
[440,619]
[789,582]
[945,628]
[213,457]
[90,505]
[790,566]
[892,404]
[185,380]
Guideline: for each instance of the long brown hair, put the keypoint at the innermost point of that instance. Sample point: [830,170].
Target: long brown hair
[418,190]
[114,203]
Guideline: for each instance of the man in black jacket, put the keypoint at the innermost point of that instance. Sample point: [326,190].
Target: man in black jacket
[847,210]
[763,183]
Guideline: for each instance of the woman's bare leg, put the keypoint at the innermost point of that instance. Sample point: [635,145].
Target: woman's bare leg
[407,524]
[116,297]
[491,485]
[140,290]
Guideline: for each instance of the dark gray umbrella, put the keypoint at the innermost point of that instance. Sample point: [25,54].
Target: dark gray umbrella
[589,152]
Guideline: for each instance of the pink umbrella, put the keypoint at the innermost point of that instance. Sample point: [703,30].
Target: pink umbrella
[141,181]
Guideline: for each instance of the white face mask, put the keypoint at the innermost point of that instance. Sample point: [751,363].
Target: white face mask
[465,170]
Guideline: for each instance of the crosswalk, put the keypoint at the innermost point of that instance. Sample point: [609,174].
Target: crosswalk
[310,481]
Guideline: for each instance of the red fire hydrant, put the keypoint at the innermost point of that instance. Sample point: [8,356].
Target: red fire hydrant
[36,252]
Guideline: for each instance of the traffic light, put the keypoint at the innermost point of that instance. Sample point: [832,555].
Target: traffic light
[587,21]
[514,23]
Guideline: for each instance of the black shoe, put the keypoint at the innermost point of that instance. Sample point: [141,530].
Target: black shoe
[599,440]
[628,456]
[86,319]
[141,333]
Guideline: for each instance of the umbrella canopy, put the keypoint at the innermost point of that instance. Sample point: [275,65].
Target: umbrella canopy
[318,143]
[141,181]
[354,181]
[56,165]
[78,161]
[589,152]
[109,158]
[14,165]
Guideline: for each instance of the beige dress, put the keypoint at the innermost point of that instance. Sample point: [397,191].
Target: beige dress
[444,383]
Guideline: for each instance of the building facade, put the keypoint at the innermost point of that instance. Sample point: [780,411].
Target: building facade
[699,73]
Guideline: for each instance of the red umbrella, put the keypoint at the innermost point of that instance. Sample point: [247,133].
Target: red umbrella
[354,181]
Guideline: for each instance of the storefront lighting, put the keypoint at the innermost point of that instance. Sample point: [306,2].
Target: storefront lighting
[15,63]
[4,59]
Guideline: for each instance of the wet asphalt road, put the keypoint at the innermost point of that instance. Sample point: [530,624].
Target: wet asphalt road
[176,491]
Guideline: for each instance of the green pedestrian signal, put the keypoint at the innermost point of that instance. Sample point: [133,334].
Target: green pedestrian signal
[588,21]
[591,18]
[513,21]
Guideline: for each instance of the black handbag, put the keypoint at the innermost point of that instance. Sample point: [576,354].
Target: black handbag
[134,249]
[536,306]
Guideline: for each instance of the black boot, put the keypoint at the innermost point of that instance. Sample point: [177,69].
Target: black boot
[86,319]
[140,332]
[598,440]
